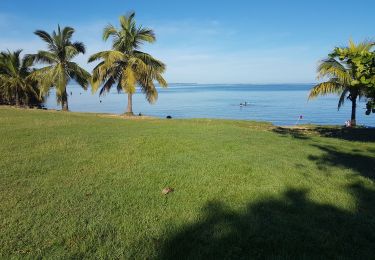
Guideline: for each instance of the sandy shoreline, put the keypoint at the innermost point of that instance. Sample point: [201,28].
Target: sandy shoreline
[108,115]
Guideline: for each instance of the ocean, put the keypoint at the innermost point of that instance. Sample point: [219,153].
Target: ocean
[280,104]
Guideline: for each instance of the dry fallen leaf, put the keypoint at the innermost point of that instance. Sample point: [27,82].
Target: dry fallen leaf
[167,190]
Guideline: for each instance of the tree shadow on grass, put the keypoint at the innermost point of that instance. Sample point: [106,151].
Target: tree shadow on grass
[293,132]
[291,226]
[349,134]
[363,164]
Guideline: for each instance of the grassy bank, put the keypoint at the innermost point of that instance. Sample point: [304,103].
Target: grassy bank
[78,185]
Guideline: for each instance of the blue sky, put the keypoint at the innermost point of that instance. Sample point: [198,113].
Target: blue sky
[206,41]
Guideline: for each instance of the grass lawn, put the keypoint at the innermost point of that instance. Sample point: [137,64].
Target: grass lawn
[83,186]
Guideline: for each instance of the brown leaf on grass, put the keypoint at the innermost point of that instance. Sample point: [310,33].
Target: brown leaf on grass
[167,190]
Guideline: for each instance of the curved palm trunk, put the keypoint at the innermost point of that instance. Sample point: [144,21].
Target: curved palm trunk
[354,109]
[64,102]
[129,109]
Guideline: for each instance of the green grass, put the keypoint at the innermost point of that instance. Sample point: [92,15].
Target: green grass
[83,186]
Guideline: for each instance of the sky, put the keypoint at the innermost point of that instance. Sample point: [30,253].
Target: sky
[205,41]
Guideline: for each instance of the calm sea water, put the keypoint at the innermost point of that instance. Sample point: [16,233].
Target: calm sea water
[279,104]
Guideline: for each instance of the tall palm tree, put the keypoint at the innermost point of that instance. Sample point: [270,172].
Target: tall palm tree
[15,85]
[60,69]
[341,77]
[125,65]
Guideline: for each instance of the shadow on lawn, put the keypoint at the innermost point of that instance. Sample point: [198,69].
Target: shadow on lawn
[292,226]
[349,134]
[289,226]
[364,165]
[293,132]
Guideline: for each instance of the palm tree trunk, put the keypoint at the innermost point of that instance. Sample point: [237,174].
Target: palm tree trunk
[17,97]
[27,102]
[129,109]
[354,109]
[64,102]
[65,106]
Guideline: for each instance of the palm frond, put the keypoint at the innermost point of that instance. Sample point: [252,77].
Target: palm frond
[107,86]
[150,61]
[325,88]
[128,80]
[331,68]
[61,81]
[44,36]
[145,35]
[67,33]
[27,62]
[70,52]
[45,78]
[162,82]
[42,57]
[127,21]
[109,56]
[150,92]
[108,31]
[80,47]
[342,98]
[81,76]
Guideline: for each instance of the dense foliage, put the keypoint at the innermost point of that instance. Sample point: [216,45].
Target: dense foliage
[16,87]
[368,78]
[362,64]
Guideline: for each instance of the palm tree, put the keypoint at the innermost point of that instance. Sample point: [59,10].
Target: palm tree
[125,65]
[15,85]
[60,69]
[341,77]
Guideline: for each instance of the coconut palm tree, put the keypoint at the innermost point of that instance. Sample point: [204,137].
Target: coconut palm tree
[125,65]
[15,85]
[60,69]
[341,76]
